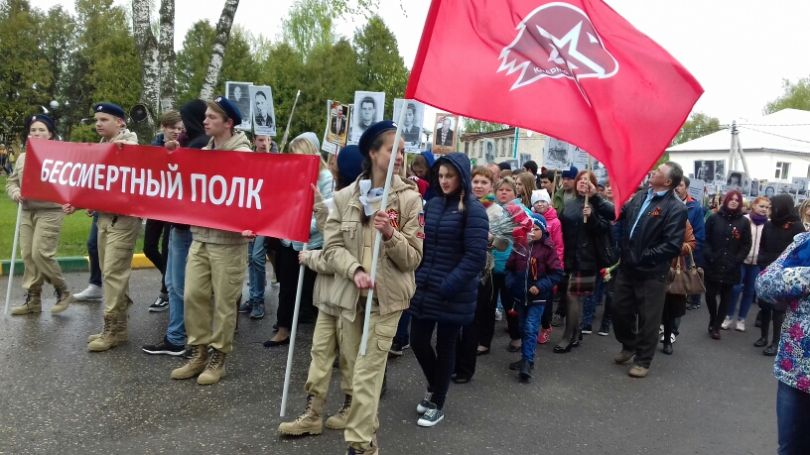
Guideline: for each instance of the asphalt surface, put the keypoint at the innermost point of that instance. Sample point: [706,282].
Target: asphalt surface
[710,397]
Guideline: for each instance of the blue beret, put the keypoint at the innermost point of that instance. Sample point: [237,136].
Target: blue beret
[230,108]
[350,164]
[371,134]
[49,123]
[112,109]
[570,173]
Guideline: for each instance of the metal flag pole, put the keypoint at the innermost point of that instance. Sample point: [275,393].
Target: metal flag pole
[378,236]
[13,255]
[289,122]
[293,332]
[588,168]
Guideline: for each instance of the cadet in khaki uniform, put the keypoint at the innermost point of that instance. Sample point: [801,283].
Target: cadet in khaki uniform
[40,229]
[349,239]
[329,327]
[116,241]
[217,263]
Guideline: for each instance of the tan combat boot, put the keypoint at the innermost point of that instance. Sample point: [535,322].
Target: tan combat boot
[63,300]
[109,336]
[215,369]
[32,304]
[195,365]
[120,333]
[310,422]
[338,420]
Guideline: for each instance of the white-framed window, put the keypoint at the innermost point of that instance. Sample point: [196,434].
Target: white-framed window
[782,170]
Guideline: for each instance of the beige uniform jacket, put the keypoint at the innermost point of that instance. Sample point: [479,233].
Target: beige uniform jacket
[344,239]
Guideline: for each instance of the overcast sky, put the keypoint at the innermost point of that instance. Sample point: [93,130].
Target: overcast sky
[739,50]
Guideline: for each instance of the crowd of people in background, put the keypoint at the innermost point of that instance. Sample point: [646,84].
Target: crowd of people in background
[462,248]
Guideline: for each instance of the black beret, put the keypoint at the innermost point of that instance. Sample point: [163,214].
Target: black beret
[371,134]
[49,123]
[112,109]
[230,108]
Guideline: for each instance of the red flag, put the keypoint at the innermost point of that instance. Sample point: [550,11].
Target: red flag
[574,70]
[268,194]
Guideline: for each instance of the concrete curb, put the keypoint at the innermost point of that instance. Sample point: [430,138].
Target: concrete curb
[73,264]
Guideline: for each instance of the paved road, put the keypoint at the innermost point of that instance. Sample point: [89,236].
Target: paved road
[55,397]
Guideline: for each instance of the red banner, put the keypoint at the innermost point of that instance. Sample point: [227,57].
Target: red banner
[266,193]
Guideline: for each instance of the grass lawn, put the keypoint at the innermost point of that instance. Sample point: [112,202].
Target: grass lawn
[74,230]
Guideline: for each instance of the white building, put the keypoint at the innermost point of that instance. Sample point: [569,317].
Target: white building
[499,146]
[776,148]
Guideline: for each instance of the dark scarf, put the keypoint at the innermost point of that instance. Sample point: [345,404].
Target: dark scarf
[758,220]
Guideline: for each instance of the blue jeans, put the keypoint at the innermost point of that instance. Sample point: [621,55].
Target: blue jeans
[530,316]
[257,262]
[748,275]
[403,336]
[589,303]
[179,244]
[792,415]
[92,252]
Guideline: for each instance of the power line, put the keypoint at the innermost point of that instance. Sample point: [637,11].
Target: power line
[777,135]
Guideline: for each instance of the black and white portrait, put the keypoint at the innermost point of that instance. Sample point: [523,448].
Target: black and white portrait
[444,135]
[239,93]
[411,123]
[368,110]
[711,171]
[735,180]
[264,115]
[555,155]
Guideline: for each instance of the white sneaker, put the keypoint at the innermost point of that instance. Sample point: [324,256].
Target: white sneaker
[92,292]
[726,323]
[740,326]
[498,315]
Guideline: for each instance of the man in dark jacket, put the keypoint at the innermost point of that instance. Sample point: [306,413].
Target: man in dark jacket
[652,229]
[697,217]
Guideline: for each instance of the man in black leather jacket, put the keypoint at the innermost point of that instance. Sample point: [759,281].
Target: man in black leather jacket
[652,230]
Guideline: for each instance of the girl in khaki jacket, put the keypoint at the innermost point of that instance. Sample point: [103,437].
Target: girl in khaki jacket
[348,244]
[40,229]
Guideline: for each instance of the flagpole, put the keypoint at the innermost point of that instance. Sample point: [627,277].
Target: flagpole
[289,122]
[293,331]
[378,236]
[588,168]
[13,255]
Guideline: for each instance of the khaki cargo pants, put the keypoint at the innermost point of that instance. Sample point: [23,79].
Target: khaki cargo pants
[39,238]
[368,371]
[219,270]
[331,332]
[117,235]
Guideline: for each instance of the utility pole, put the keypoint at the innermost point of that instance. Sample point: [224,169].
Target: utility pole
[736,150]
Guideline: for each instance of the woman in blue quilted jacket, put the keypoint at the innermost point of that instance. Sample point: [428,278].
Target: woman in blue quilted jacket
[454,256]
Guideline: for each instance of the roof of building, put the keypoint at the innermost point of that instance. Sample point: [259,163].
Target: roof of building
[786,130]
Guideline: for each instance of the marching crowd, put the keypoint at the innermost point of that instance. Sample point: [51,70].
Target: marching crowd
[461,247]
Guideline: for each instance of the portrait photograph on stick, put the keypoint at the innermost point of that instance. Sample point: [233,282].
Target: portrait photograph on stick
[444,134]
[264,114]
[369,109]
[337,126]
[412,123]
[239,94]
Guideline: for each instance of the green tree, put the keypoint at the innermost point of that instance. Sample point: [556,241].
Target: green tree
[698,125]
[192,61]
[25,77]
[309,25]
[105,66]
[472,126]
[380,65]
[796,96]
